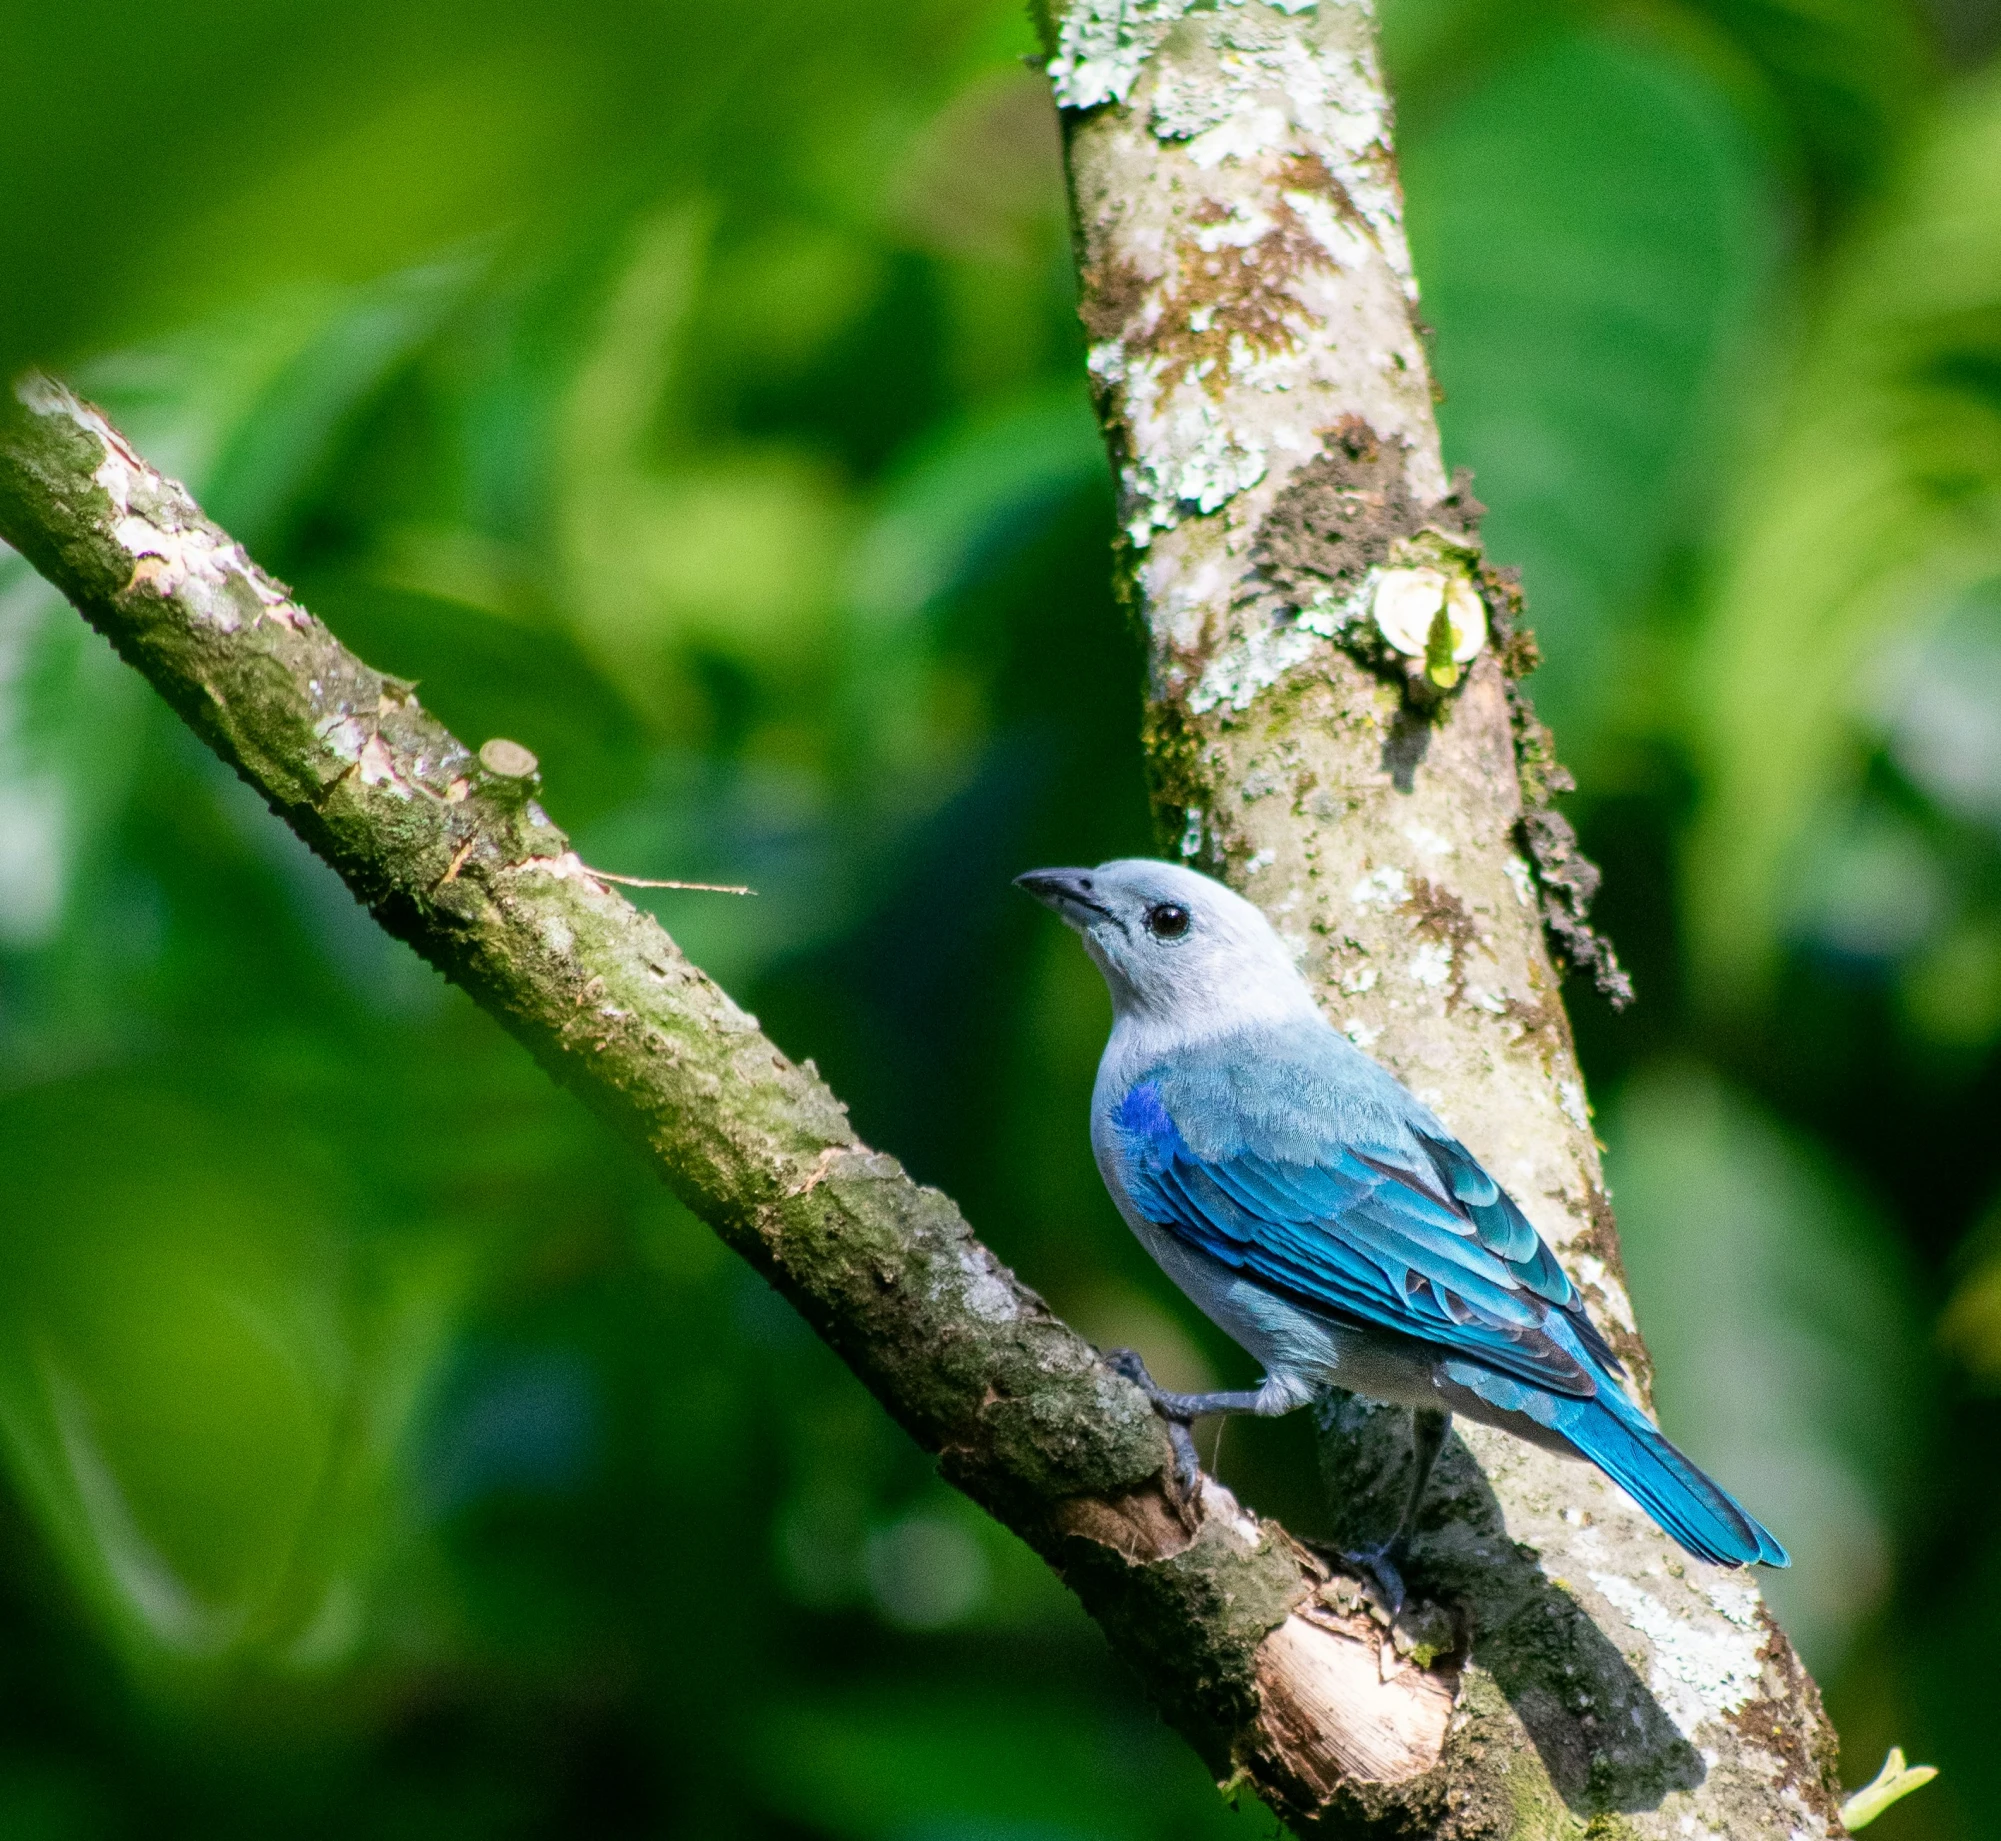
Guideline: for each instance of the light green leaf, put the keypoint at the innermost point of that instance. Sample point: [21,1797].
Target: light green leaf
[1895,1781]
[288,434]
[1875,504]
[664,550]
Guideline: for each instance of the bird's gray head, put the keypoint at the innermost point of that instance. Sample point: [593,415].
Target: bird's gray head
[1175,947]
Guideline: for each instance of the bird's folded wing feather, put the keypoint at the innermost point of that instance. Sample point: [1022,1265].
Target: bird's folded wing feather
[1410,1236]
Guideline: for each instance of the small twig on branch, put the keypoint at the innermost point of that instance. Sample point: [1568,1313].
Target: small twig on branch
[650,882]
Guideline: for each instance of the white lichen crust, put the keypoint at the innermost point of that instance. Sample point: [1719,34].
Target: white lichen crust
[1279,215]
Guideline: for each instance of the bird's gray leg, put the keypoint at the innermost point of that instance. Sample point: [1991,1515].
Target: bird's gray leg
[1428,1427]
[1180,1410]
[1200,1406]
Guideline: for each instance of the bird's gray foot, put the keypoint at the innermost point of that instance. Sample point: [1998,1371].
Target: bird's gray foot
[1181,1410]
[1384,1564]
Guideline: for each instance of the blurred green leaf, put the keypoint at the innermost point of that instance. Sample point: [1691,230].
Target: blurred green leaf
[1875,503]
[68,716]
[1829,85]
[206,1373]
[1592,230]
[947,511]
[1783,1322]
[1847,76]
[1971,1325]
[267,466]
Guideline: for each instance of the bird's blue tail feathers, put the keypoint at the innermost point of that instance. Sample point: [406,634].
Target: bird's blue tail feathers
[1698,1512]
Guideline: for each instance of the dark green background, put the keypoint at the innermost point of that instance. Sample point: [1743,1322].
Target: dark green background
[692,393]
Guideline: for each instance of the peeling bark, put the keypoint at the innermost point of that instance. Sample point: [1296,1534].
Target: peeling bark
[1268,406]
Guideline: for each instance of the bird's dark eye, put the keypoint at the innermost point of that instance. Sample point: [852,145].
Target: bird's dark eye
[1167,920]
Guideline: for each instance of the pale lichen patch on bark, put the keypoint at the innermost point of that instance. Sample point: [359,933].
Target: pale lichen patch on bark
[1700,1672]
[175,551]
[1287,194]
[1101,44]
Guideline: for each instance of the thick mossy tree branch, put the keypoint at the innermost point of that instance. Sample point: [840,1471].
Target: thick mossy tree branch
[1336,727]
[1267,1661]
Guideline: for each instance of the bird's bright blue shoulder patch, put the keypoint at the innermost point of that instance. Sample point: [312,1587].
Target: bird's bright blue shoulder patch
[1144,1114]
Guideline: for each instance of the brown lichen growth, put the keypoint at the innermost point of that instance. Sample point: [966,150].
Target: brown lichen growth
[1438,914]
[1338,516]
[1309,173]
[1599,1239]
[1514,639]
[1535,1018]
[1600,1235]
[1342,514]
[1544,777]
[1805,1750]
[1110,293]
[1234,295]
[1567,877]
[1569,880]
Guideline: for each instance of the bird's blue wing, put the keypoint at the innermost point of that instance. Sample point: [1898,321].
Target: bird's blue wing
[1408,1235]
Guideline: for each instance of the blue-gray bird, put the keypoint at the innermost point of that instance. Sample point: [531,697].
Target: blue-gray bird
[1316,1209]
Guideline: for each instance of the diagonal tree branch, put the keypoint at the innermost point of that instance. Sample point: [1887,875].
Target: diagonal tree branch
[1268,1664]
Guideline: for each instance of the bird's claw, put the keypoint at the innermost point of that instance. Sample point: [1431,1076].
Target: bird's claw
[1129,1363]
[1381,1565]
[1187,1461]
[1187,1464]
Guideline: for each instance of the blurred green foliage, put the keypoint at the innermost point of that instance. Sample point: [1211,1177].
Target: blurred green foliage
[693,394]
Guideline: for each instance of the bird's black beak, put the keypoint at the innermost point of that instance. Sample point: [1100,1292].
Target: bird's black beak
[1068,891]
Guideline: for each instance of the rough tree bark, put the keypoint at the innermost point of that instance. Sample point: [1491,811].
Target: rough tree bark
[1570,1670]
[1267,399]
